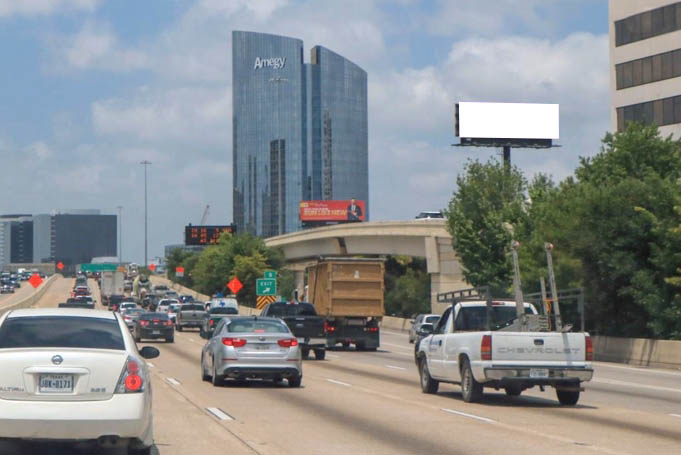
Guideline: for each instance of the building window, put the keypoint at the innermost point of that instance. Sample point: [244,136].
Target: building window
[662,112]
[645,25]
[648,69]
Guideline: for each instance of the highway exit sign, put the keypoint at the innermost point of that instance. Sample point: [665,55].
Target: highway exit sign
[271,274]
[266,286]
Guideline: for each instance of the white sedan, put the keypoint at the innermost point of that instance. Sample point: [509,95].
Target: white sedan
[74,375]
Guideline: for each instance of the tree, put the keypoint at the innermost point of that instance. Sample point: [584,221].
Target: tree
[489,198]
[407,286]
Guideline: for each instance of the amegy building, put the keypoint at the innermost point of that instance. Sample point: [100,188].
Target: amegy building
[299,131]
[645,63]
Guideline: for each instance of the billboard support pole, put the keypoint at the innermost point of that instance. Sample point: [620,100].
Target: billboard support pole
[507,157]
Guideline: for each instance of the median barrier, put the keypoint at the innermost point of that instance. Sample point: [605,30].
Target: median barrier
[638,351]
[31,299]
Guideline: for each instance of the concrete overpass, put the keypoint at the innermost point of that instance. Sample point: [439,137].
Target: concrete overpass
[427,238]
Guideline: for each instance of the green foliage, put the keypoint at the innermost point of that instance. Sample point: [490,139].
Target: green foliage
[488,204]
[407,286]
[182,258]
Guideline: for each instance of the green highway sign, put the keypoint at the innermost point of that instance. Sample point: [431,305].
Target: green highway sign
[98,267]
[271,274]
[265,286]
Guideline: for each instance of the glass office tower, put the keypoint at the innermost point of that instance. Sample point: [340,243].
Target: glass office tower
[299,131]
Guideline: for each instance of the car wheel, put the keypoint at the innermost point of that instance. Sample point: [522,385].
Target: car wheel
[470,388]
[428,384]
[179,328]
[513,390]
[204,376]
[217,380]
[568,397]
[305,353]
[319,354]
[295,382]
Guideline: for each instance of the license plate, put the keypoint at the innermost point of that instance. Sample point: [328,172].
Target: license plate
[56,383]
[263,347]
[301,340]
[539,372]
[155,332]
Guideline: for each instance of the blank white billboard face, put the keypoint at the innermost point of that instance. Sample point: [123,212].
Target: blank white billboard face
[508,120]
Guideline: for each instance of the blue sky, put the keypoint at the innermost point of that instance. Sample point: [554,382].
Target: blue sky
[91,87]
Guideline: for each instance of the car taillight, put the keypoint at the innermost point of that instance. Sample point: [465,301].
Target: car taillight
[328,327]
[211,322]
[371,329]
[144,323]
[589,352]
[168,323]
[486,347]
[288,343]
[131,380]
[127,318]
[235,342]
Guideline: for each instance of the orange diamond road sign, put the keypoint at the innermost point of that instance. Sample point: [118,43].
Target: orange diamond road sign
[152,267]
[235,285]
[35,280]
[60,265]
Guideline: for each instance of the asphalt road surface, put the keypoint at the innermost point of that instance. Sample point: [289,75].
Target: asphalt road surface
[371,403]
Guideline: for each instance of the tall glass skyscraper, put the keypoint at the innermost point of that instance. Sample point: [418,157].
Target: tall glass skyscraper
[299,131]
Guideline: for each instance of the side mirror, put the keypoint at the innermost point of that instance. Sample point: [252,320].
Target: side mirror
[412,321]
[149,352]
[426,329]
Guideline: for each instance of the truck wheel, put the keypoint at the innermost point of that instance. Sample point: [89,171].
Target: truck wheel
[470,388]
[319,354]
[359,347]
[568,397]
[305,353]
[428,384]
[179,328]
[513,390]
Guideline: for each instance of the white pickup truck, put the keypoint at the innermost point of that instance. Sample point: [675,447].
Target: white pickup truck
[471,346]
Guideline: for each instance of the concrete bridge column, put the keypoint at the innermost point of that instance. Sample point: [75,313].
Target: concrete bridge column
[300,283]
[445,270]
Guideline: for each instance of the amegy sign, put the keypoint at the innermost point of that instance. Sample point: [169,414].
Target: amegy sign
[508,120]
[275,63]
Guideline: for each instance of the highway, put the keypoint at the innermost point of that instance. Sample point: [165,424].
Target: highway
[371,403]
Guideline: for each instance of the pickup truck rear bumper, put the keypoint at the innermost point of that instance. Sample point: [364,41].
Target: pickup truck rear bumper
[312,342]
[538,374]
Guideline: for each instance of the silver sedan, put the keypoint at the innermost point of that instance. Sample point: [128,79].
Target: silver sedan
[246,347]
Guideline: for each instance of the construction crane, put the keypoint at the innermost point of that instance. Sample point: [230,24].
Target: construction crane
[205,215]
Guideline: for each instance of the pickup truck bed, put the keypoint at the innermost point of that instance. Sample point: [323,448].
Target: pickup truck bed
[304,323]
[190,315]
[460,351]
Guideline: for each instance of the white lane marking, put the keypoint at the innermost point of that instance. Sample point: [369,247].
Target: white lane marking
[394,367]
[151,365]
[333,381]
[634,384]
[220,414]
[405,333]
[675,415]
[173,381]
[636,369]
[484,419]
[397,346]
[333,356]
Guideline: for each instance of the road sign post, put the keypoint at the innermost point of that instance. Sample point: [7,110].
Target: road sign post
[266,286]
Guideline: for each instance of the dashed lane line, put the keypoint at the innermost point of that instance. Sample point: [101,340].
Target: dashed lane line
[333,381]
[472,416]
[393,367]
[675,415]
[173,381]
[398,346]
[219,414]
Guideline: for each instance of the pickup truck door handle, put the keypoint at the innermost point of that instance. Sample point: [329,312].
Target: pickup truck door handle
[439,343]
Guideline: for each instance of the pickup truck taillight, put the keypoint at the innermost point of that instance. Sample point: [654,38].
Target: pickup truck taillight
[486,347]
[328,328]
[589,348]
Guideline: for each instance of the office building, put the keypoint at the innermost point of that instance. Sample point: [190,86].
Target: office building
[16,239]
[645,63]
[299,131]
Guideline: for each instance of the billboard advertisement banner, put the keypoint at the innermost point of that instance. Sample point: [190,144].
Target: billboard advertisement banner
[332,210]
[508,120]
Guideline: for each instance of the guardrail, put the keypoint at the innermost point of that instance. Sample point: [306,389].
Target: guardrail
[31,299]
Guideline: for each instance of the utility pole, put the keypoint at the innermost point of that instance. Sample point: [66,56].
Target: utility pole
[145,163]
[120,234]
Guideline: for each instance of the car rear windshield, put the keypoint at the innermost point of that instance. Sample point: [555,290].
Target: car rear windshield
[151,316]
[432,319]
[296,309]
[257,326]
[61,332]
[192,307]
[224,310]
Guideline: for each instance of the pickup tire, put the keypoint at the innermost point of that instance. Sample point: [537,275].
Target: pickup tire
[179,327]
[428,384]
[319,354]
[470,388]
[568,397]
[305,353]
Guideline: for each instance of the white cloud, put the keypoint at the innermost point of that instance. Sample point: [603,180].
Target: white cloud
[43,7]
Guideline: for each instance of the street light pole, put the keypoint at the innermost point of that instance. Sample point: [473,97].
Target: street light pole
[145,163]
[120,234]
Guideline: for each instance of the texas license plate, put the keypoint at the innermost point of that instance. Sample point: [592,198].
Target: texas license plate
[539,372]
[263,347]
[56,383]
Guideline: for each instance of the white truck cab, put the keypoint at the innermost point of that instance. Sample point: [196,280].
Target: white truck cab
[473,345]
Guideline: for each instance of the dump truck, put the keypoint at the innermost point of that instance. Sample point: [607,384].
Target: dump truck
[110,284]
[348,294]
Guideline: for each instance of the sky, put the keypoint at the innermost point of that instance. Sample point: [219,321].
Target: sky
[89,88]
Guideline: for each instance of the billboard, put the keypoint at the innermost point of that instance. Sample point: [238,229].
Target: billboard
[507,121]
[312,211]
[205,235]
